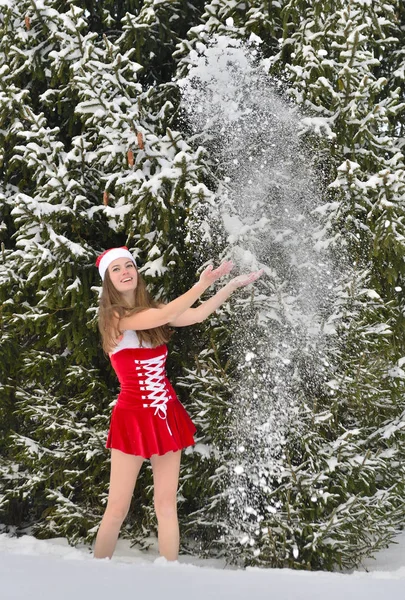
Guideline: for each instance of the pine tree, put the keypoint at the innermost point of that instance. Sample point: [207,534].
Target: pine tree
[96,165]
[338,496]
[331,57]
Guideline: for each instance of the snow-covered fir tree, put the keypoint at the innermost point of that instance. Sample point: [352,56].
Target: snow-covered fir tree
[90,162]
[339,494]
[336,63]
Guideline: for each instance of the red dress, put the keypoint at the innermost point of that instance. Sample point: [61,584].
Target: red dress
[148,418]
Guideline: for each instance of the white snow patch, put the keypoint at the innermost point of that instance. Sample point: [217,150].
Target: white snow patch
[52,570]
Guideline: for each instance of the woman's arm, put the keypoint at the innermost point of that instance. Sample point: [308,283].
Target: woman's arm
[197,315]
[155,317]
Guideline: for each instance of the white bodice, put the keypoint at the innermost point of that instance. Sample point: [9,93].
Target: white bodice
[129,339]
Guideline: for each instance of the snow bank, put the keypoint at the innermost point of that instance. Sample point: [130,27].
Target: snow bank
[51,570]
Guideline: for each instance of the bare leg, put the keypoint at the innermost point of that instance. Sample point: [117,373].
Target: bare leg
[124,472]
[166,478]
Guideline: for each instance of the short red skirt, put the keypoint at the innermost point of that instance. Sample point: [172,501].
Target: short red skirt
[139,430]
[143,433]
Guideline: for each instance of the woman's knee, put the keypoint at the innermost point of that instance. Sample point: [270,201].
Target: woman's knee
[165,507]
[116,511]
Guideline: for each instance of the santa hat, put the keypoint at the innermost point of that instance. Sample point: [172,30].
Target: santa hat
[108,256]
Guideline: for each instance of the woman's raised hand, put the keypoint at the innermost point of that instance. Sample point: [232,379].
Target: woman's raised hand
[242,280]
[209,275]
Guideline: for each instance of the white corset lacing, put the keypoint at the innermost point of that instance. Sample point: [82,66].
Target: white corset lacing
[151,373]
[152,369]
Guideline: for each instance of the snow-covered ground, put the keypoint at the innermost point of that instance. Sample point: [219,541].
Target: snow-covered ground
[33,569]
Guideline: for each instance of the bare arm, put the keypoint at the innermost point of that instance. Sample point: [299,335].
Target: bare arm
[166,313]
[197,315]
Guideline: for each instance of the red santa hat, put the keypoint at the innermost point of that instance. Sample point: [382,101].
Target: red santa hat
[108,256]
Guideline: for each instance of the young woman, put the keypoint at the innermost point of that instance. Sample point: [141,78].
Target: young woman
[148,421]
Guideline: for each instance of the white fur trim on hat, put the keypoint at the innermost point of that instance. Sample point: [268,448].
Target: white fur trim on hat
[112,255]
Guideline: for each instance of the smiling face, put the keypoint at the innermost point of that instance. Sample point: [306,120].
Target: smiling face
[124,276]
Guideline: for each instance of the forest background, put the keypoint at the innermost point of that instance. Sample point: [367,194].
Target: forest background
[96,151]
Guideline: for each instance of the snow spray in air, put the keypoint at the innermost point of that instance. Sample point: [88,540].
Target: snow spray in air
[267,198]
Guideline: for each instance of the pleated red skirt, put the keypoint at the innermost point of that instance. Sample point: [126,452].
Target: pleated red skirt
[148,418]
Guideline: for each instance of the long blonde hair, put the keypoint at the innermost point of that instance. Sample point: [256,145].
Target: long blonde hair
[112,304]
